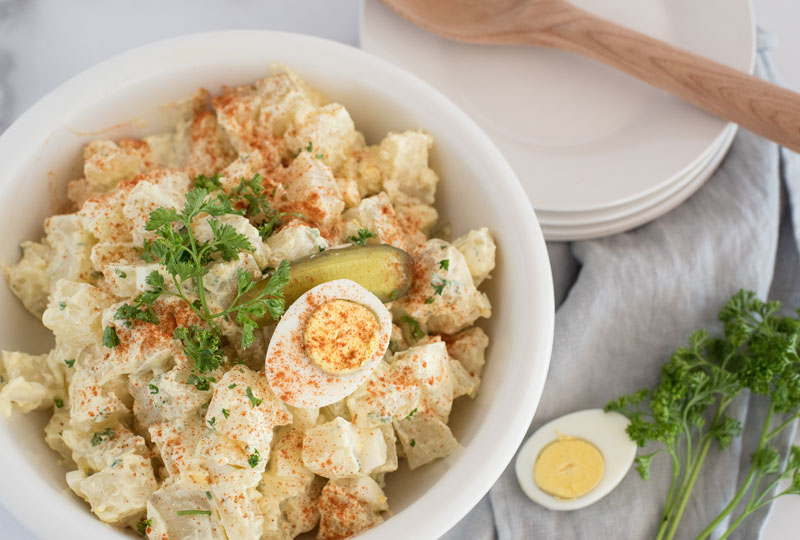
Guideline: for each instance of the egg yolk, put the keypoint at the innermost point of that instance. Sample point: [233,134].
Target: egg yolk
[341,336]
[568,468]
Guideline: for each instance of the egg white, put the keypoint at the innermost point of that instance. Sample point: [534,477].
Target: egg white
[310,386]
[604,430]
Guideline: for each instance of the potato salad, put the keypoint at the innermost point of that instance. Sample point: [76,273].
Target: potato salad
[253,321]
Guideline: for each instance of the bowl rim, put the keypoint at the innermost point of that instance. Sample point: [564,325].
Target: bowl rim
[25,137]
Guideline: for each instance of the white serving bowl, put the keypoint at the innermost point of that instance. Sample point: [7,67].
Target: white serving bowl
[125,96]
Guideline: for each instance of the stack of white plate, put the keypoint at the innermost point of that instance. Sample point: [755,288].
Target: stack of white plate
[597,151]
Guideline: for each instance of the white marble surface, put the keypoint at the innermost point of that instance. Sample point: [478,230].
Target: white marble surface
[44,42]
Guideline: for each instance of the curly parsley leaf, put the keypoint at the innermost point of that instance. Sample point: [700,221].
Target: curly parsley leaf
[209,183]
[360,238]
[269,300]
[254,459]
[227,242]
[414,328]
[100,436]
[254,401]
[142,526]
[200,382]
[202,346]
[110,338]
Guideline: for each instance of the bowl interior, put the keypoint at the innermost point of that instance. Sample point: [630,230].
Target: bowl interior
[127,96]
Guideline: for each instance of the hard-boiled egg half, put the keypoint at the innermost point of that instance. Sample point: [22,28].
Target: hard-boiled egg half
[574,461]
[327,343]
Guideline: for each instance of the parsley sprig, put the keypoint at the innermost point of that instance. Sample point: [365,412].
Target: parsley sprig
[760,351]
[186,260]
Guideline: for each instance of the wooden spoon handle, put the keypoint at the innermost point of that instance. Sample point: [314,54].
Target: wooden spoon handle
[764,108]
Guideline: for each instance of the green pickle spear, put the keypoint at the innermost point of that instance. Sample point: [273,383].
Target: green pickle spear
[383,270]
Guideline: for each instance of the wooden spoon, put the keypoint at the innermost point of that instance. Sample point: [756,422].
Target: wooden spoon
[761,107]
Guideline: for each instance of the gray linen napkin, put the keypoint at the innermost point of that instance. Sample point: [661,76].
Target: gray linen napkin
[628,301]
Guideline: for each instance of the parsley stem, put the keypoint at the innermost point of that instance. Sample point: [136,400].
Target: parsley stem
[179,287]
[783,426]
[760,501]
[745,487]
[747,510]
[671,495]
[695,471]
[201,292]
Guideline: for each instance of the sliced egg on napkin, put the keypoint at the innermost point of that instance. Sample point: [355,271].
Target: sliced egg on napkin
[575,460]
[327,344]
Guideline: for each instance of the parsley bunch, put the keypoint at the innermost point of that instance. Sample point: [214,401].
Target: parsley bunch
[760,352]
[187,260]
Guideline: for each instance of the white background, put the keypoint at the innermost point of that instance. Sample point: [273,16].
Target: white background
[44,42]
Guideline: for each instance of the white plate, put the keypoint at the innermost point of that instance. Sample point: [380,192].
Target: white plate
[614,213]
[580,135]
[585,232]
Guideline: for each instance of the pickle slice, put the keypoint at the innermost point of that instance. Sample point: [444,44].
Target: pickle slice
[383,270]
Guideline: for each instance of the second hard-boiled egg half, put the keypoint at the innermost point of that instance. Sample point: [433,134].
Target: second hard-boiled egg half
[574,461]
[327,344]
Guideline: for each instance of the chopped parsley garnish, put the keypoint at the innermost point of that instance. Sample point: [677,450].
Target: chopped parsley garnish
[200,382]
[429,300]
[110,338]
[413,443]
[231,386]
[413,327]
[254,459]
[100,436]
[438,286]
[250,198]
[411,414]
[62,306]
[321,248]
[194,512]
[394,296]
[142,308]
[70,362]
[116,463]
[208,495]
[226,413]
[59,403]
[153,389]
[120,273]
[444,264]
[213,422]
[254,401]
[361,237]
[129,313]
[310,147]
[320,156]
[142,527]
